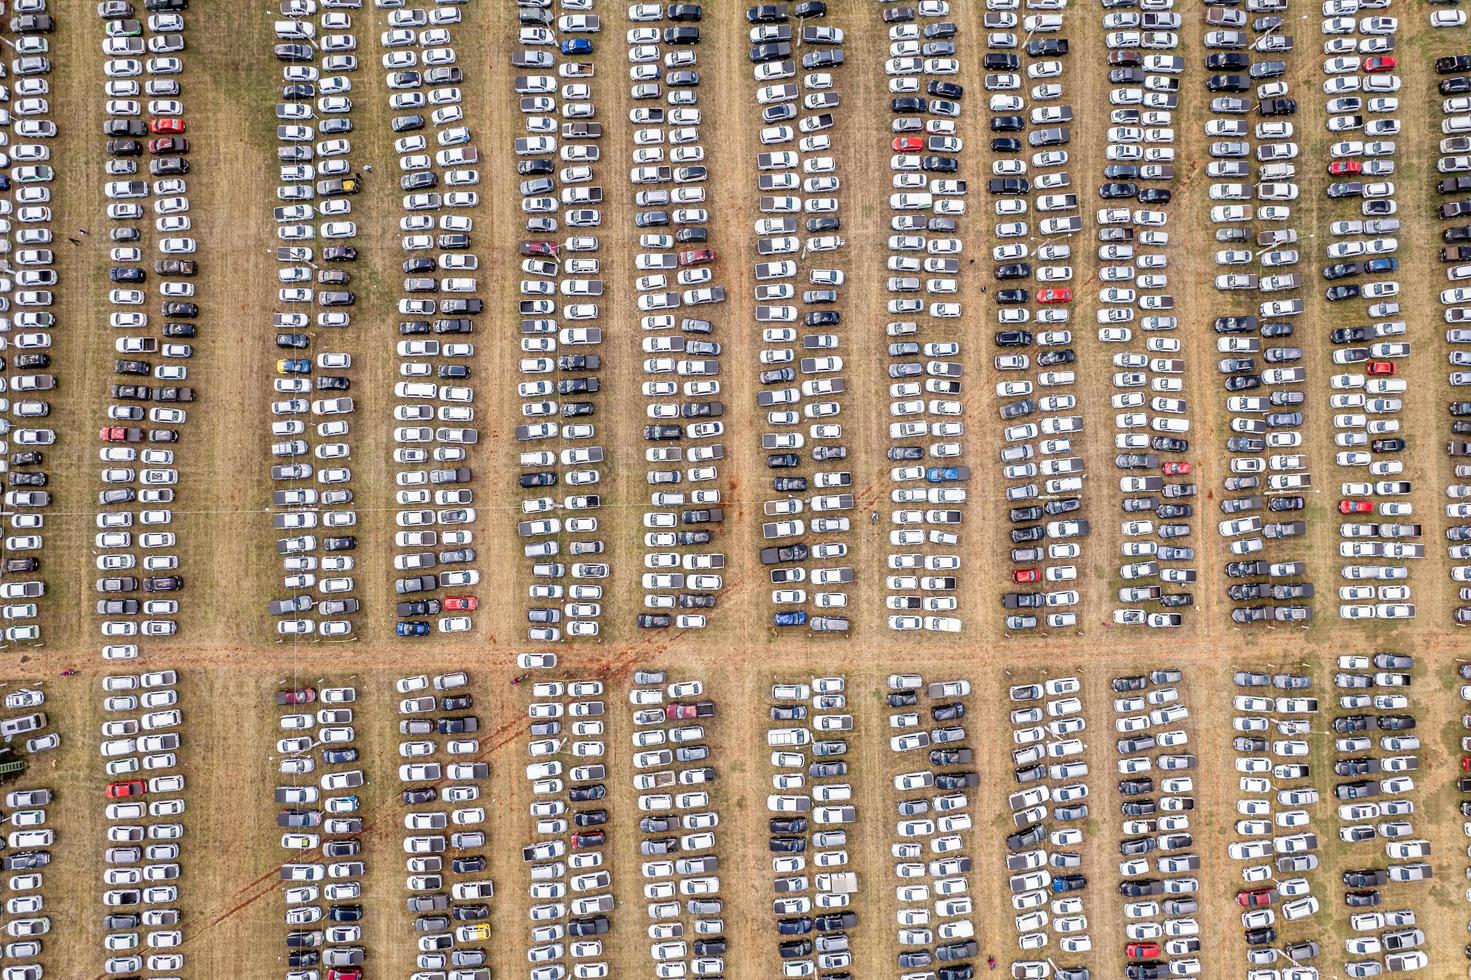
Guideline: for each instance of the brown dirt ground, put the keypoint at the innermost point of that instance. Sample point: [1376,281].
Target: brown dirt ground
[230,664]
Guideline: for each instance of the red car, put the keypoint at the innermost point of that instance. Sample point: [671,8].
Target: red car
[1466,763]
[1383,367]
[1023,575]
[304,696]
[1055,294]
[344,973]
[125,789]
[696,256]
[168,144]
[1379,64]
[1256,899]
[1176,469]
[168,124]
[120,433]
[1142,951]
[463,603]
[677,711]
[905,143]
[1343,168]
[1355,507]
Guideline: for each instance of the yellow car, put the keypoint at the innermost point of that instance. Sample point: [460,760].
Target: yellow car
[472,933]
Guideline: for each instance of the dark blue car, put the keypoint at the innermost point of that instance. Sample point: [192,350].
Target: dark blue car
[577,45]
[412,628]
[797,618]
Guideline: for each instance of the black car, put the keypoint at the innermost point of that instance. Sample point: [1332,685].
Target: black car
[594,926]
[124,127]
[761,53]
[422,607]
[957,780]
[1451,64]
[1365,878]
[1141,887]
[834,921]
[1030,836]
[1227,61]
[1228,83]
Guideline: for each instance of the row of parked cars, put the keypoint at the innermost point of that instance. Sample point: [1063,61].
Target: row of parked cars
[146,163]
[809,808]
[311,446]
[27,234]
[571,879]
[445,837]
[680,863]
[25,919]
[1376,763]
[683,412]
[1136,315]
[1370,341]
[434,412]
[1159,941]
[1049,810]
[1463,782]
[797,57]
[926,428]
[1031,278]
[1274,840]
[1453,208]
[140,747]
[561,462]
[1259,283]
[321,832]
[934,794]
